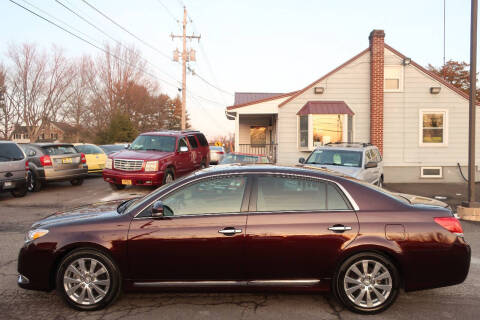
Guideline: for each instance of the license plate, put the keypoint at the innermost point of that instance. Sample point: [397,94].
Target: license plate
[127,182]
[67,160]
[7,184]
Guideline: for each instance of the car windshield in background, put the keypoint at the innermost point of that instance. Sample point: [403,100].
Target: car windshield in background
[216,148]
[88,149]
[156,143]
[109,148]
[242,158]
[10,152]
[333,157]
[59,150]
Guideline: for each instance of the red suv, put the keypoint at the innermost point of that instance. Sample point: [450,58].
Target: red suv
[156,158]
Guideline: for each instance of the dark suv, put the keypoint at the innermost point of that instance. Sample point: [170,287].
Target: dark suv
[13,169]
[156,158]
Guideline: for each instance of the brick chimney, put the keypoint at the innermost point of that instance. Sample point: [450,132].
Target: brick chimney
[376,87]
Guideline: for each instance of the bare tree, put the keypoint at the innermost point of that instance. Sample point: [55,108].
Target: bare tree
[8,113]
[39,85]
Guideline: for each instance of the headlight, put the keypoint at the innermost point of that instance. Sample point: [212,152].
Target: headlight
[35,234]
[108,163]
[151,166]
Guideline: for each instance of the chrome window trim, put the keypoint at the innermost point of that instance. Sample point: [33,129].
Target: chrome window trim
[349,197]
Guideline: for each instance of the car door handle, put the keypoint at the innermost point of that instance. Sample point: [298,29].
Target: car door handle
[339,228]
[230,231]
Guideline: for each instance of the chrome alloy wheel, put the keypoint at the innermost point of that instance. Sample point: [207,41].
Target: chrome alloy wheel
[367,283]
[86,281]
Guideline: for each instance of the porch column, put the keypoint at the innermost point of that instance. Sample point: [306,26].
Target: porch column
[237,133]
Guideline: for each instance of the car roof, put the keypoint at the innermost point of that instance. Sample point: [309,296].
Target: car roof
[175,133]
[247,154]
[353,146]
[49,144]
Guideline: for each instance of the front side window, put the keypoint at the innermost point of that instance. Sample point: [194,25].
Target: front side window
[327,128]
[277,193]
[210,196]
[334,157]
[433,128]
[154,143]
[182,143]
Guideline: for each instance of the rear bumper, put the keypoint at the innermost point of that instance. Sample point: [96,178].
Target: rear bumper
[50,174]
[14,184]
[136,178]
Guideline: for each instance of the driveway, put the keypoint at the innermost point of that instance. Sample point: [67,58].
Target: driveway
[458,302]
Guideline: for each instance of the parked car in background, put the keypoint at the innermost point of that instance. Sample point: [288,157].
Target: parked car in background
[50,162]
[111,148]
[237,157]
[156,158]
[13,169]
[362,161]
[250,227]
[94,155]
[216,154]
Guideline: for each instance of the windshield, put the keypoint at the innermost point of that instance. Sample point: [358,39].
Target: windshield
[156,143]
[89,149]
[241,158]
[332,157]
[10,152]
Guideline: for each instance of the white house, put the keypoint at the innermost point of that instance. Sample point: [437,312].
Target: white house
[418,120]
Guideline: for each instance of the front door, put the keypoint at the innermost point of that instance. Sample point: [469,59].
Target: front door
[202,239]
[297,229]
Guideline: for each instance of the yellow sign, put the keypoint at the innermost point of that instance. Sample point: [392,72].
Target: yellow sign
[218,144]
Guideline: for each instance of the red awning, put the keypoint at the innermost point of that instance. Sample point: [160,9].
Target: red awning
[325,107]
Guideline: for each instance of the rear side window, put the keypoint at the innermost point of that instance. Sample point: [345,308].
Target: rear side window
[59,150]
[297,194]
[10,152]
[203,141]
[193,142]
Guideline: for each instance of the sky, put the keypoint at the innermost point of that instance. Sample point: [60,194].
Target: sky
[245,45]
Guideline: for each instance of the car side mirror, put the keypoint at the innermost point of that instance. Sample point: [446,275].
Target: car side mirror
[157,209]
[301,160]
[183,149]
[371,164]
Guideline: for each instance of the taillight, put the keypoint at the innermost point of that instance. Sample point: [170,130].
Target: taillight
[26,165]
[82,158]
[45,161]
[451,224]
[220,152]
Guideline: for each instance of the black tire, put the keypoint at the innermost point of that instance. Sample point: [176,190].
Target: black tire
[33,183]
[114,278]
[380,182]
[117,186]
[20,192]
[339,286]
[77,182]
[169,174]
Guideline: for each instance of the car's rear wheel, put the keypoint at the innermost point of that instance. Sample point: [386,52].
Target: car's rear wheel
[33,183]
[115,186]
[88,280]
[77,182]
[367,283]
[168,177]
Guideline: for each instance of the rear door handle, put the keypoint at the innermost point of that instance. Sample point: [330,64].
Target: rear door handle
[229,231]
[339,228]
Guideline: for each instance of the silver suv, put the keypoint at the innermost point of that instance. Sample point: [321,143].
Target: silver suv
[359,160]
[13,169]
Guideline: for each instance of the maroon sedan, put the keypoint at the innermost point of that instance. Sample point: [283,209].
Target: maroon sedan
[249,228]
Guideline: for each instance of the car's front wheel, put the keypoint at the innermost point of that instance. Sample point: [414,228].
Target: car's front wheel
[367,283]
[88,280]
[77,182]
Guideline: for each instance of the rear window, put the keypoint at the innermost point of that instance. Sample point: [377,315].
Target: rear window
[193,142]
[203,141]
[88,149]
[10,152]
[59,150]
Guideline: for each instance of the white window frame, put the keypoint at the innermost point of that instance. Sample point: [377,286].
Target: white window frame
[430,176]
[399,70]
[445,127]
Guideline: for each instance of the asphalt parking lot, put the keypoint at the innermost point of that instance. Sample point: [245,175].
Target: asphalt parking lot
[458,302]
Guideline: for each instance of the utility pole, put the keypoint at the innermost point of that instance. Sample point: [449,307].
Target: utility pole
[187,55]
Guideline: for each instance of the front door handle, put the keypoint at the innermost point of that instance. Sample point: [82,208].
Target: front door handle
[229,231]
[339,228]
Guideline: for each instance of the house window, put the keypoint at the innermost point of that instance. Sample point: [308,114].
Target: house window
[431,172]
[258,136]
[327,128]
[393,78]
[303,131]
[433,130]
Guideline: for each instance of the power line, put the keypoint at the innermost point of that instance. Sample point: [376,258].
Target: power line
[112,38]
[210,84]
[124,29]
[168,11]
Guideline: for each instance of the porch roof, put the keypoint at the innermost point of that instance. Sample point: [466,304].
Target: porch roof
[325,107]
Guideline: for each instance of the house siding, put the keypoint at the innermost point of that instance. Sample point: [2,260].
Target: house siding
[350,84]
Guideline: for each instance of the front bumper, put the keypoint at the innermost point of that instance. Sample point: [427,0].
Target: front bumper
[35,263]
[135,178]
